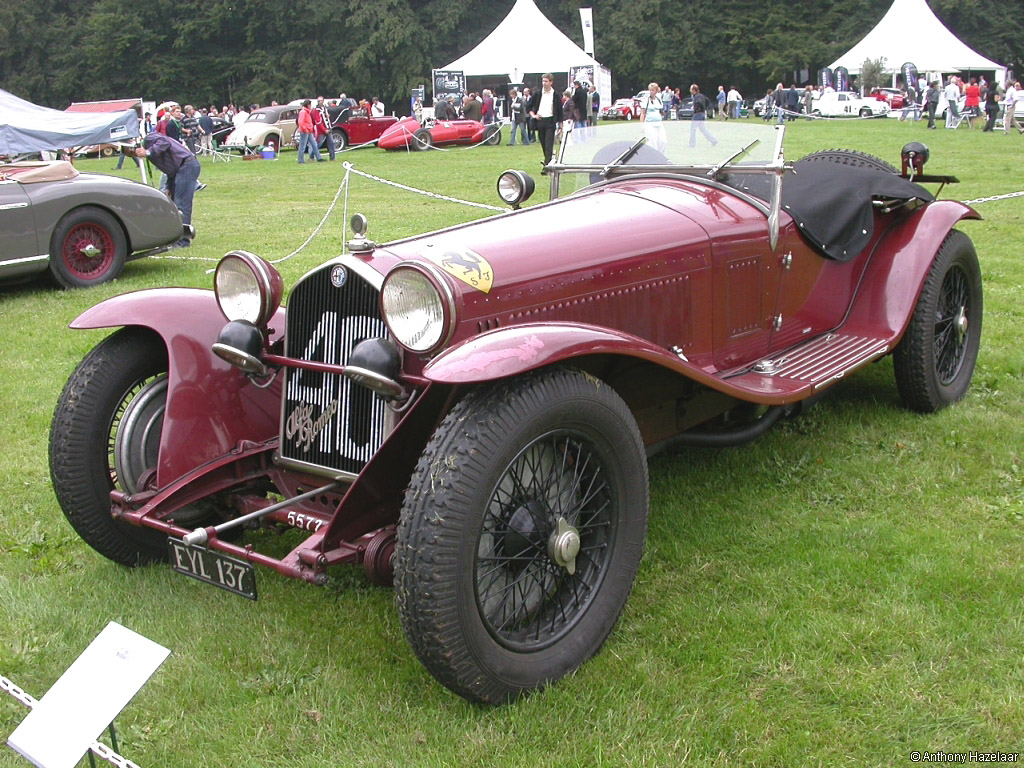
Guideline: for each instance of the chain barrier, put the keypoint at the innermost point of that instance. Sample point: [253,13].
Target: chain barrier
[993,198]
[435,195]
[98,748]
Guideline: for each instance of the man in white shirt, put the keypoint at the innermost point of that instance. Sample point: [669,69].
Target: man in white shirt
[377,108]
[952,94]
[732,102]
[546,112]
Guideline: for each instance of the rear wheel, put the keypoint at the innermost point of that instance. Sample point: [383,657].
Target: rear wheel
[492,135]
[422,139]
[274,142]
[107,151]
[521,533]
[340,139]
[105,435]
[935,359]
[87,247]
[865,112]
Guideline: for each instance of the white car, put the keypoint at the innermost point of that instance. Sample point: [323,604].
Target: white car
[848,104]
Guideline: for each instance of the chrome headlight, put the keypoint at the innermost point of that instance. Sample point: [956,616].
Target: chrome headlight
[248,288]
[417,309]
[515,187]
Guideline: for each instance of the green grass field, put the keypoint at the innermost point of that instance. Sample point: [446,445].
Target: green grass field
[845,591]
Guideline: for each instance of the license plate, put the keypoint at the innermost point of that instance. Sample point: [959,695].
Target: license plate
[213,567]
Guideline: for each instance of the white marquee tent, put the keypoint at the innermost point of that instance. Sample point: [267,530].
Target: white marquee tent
[526,42]
[909,31]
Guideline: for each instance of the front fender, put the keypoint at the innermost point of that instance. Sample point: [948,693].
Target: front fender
[899,265]
[518,349]
[211,406]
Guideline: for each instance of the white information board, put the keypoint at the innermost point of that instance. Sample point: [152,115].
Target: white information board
[87,698]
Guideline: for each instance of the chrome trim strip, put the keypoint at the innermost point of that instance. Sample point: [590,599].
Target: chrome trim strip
[12,206]
[4,265]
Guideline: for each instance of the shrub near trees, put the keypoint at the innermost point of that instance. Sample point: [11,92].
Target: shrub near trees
[57,51]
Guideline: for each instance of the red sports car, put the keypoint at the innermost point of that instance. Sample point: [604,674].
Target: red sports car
[356,129]
[468,413]
[408,133]
[622,109]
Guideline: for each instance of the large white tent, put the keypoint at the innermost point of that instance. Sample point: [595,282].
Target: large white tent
[909,31]
[525,42]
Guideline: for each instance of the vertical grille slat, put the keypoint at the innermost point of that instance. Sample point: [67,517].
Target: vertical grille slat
[326,420]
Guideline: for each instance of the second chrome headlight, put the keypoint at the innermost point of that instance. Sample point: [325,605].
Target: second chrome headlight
[417,312]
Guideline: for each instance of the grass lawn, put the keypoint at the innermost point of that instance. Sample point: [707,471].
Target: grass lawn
[845,591]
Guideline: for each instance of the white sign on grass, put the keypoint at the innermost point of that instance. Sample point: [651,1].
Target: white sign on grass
[87,698]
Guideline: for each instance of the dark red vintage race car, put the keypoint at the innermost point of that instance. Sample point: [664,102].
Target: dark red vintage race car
[469,416]
[351,130]
[408,133]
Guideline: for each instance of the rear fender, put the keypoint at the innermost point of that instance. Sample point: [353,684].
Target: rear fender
[898,268]
[211,406]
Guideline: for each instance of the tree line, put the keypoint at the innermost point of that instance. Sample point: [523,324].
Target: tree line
[54,52]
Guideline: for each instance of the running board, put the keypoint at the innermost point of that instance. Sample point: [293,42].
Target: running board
[813,364]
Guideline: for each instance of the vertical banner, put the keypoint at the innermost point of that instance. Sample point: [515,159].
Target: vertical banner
[587,20]
[909,71]
[824,78]
[416,97]
[842,79]
[448,83]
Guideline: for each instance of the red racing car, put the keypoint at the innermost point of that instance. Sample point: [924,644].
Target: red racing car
[408,133]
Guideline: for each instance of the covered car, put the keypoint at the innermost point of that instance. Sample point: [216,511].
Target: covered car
[408,133]
[470,417]
[81,227]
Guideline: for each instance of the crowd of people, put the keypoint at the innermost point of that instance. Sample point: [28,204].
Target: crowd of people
[965,100]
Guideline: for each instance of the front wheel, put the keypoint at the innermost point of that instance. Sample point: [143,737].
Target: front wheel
[629,115]
[88,247]
[521,533]
[105,435]
[422,139]
[865,112]
[935,359]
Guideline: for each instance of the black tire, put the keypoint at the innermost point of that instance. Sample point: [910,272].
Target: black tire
[482,516]
[492,135]
[849,157]
[629,115]
[422,140]
[935,359]
[340,139]
[274,142]
[865,112]
[87,247]
[104,435]
[816,112]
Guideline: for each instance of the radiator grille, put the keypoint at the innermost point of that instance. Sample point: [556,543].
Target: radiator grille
[327,422]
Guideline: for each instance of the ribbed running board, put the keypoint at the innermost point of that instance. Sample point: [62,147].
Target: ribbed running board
[824,359]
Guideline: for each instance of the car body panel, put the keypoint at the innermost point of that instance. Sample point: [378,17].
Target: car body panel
[364,130]
[29,212]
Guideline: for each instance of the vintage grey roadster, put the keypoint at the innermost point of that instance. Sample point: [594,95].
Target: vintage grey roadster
[81,227]
[470,418]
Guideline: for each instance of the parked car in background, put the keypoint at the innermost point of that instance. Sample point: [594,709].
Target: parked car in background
[468,413]
[353,130]
[265,127]
[894,97]
[81,227]
[621,109]
[848,104]
[408,133]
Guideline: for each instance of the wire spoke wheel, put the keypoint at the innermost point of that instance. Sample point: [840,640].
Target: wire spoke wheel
[521,533]
[528,592]
[951,325]
[934,361]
